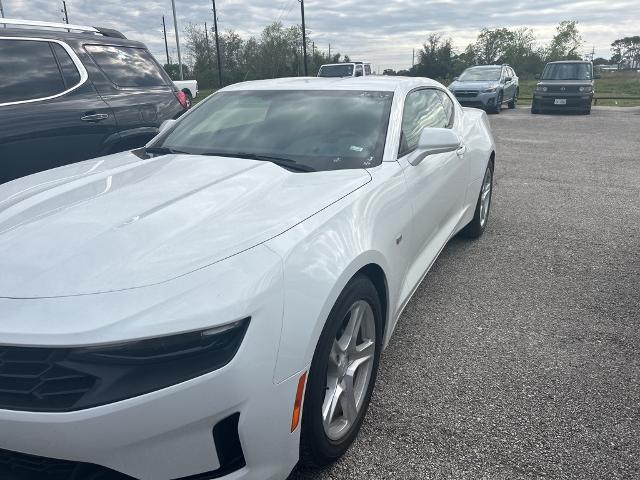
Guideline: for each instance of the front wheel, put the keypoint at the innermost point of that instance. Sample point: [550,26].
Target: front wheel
[475,228]
[498,106]
[342,375]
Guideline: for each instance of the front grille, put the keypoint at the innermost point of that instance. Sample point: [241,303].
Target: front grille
[559,88]
[37,379]
[20,466]
[466,93]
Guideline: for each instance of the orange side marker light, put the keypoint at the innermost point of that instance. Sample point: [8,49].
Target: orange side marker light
[297,406]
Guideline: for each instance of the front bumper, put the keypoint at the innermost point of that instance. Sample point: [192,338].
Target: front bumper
[168,433]
[574,102]
[482,100]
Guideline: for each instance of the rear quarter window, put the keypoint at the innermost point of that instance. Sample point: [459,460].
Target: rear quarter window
[128,66]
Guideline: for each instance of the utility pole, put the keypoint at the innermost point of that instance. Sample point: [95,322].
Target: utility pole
[304,40]
[166,44]
[413,58]
[175,26]
[1,10]
[215,26]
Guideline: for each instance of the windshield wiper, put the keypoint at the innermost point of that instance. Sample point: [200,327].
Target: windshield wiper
[162,151]
[288,163]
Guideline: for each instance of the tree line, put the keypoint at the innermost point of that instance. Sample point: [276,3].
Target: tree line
[277,52]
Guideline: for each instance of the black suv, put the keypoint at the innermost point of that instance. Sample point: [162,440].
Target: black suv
[564,86]
[67,96]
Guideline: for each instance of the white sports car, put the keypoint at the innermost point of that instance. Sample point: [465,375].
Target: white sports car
[214,305]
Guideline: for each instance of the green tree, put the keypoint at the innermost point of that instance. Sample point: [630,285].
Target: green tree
[627,52]
[566,43]
[492,45]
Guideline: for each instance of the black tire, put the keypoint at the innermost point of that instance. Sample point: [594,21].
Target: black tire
[587,110]
[514,101]
[316,448]
[475,228]
[189,99]
[498,107]
[535,110]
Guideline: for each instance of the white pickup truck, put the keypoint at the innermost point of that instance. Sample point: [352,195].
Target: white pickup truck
[190,89]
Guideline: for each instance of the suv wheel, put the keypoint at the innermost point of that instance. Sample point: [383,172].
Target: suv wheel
[514,101]
[498,106]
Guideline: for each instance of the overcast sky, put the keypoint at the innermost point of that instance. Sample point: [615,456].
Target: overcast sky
[381,31]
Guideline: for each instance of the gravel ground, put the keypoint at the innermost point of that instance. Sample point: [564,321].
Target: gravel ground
[519,355]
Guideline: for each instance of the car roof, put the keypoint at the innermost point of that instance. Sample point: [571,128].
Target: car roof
[487,66]
[366,83]
[570,61]
[71,36]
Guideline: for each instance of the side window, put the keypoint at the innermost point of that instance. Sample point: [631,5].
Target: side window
[70,73]
[447,104]
[28,71]
[358,70]
[422,109]
[367,69]
[127,66]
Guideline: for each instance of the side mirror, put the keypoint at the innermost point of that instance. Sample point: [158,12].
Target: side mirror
[508,79]
[455,79]
[166,125]
[537,76]
[435,140]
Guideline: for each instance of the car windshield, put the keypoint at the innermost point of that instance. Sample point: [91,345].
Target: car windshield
[315,130]
[567,71]
[480,74]
[336,71]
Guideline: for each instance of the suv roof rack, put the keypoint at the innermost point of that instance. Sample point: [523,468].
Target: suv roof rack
[107,32]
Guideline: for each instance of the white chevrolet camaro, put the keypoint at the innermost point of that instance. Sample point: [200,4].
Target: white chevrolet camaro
[214,305]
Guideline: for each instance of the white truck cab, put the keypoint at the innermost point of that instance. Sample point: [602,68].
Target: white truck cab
[348,69]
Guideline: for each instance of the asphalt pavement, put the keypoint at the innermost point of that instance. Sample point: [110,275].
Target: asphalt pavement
[519,355]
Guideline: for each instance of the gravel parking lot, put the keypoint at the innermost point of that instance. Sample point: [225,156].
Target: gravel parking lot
[519,356]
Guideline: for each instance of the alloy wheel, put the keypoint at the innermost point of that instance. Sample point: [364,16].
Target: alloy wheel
[349,370]
[485,197]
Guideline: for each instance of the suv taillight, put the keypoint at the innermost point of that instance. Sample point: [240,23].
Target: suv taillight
[182,98]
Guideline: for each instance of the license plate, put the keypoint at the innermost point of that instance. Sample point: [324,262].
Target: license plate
[560,101]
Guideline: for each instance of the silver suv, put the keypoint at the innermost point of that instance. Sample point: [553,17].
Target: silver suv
[487,87]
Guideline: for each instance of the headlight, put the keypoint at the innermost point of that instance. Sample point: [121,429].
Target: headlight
[586,89]
[490,90]
[134,368]
[541,88]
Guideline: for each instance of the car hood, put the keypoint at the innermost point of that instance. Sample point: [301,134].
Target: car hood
[120,222]
[458,85]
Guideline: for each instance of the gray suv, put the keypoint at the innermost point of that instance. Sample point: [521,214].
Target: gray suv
[487,87]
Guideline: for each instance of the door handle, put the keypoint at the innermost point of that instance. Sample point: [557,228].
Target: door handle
[461,151]
[94,117]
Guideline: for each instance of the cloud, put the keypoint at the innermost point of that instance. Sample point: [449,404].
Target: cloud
[381,31]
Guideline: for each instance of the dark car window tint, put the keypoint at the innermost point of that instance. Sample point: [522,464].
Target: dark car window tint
[70,72]
[28,71]
[358,70]
[367,69]
[127,66]
[422,109]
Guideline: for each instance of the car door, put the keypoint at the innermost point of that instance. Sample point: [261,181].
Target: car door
[437,185]
[510,86]
[50,114]
[136,88]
